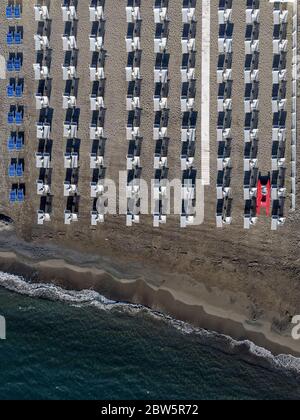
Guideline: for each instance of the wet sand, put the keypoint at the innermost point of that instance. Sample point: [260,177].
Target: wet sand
[244,280]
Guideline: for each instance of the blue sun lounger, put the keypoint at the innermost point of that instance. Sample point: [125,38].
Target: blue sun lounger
[20,195]
[19,143]
[17,64]
[17,11]
[18,38]
[19,117]
[10,65]
[10,117]
[10,38]
[10,91]
[9,12]
[19,90]
[12,170]
[19,170]
[11,143]
[13,196]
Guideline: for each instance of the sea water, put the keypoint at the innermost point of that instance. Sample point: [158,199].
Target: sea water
[79,345]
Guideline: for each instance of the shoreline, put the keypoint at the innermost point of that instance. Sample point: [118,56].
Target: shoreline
[209,310]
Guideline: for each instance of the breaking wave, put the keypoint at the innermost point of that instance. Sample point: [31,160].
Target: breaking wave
[246,349]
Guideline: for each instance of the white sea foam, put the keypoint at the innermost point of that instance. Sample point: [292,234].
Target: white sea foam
[52,292]
[229,344]
[92,298]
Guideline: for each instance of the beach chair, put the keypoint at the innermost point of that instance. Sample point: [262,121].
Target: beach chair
[19,90]
[17,11]
[19,170]
[10,117]
[19,143]
[9,12]
[11,143]
[20,195]
[10,65]
[10,38]
[10,90]
[18,38]
[13,196]
[17,63]
[12,170]
[19,117]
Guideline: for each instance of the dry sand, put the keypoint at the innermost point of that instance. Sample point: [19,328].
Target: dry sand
[238,276]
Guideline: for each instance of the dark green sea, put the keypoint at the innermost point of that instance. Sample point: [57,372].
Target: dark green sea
[68,345]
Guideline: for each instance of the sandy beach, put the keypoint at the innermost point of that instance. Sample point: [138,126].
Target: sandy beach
[236,282]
